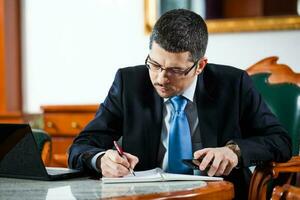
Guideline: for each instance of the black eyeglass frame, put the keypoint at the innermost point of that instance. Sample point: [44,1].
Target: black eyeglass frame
[170,70]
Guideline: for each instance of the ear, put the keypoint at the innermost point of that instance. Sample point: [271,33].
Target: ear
[201,64]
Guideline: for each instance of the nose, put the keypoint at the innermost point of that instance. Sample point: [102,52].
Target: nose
[162,77]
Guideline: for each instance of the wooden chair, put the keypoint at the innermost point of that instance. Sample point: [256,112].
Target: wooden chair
[286,192]
[280,88]
[263,176]
[43,141]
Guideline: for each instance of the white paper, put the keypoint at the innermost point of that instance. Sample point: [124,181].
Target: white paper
[157,175]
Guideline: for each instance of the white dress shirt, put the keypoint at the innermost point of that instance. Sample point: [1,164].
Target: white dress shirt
[192,115]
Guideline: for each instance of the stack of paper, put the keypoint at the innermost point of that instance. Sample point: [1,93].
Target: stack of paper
[157,175]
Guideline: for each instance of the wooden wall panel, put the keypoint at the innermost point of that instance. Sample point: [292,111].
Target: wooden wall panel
[2,64]
[10,57]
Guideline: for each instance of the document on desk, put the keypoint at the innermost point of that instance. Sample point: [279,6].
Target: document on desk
[157,175]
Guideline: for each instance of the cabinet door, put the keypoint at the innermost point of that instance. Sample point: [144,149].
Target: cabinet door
[60,146]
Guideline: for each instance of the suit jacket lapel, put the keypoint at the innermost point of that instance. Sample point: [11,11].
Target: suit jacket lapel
[207,111]
[153,120]
[158,112]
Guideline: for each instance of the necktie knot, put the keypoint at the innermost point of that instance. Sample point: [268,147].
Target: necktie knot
[179,103]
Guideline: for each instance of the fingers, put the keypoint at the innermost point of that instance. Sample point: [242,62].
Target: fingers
[215,165]
[220,161]
[204,157]
[233,160]
[133,160]
[222,167]
[228,170]
[206,160]
[199,154]
[113,165]
[111,169]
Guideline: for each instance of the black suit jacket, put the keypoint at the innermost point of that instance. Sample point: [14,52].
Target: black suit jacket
[229,108]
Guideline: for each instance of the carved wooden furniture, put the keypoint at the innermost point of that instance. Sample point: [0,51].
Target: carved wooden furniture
[263,175]
[43,141]
[63,123]
[280,88]
[286,192]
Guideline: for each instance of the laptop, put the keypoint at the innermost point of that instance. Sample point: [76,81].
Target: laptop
[20,157]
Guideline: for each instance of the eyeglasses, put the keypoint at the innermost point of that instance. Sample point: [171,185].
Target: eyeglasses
[155,67]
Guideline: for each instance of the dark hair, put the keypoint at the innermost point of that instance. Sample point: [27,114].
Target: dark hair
[181,30]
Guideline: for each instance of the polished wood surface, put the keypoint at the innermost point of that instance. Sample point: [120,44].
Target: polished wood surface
[10,57]
[263,175]
[64,123]
[11,117]
[70,124]
[280,73]
[87,188]
[286,192]
[60,146]
[220,190]
[46,153]
[70,108]
[277,193]
[2,60]
[20,118]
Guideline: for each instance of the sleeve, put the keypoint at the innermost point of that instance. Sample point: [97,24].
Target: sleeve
[99,134]
[263,137]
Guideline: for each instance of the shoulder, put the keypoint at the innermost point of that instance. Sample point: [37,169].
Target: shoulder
[222,71]
[224,74]
[221,79]
[135,76]
[133,70]
[133,73]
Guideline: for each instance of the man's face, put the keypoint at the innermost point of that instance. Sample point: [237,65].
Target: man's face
[165,83]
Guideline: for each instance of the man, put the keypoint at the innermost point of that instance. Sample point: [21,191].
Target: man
[215,111]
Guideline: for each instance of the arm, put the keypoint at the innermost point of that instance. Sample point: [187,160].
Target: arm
[262,137]
[99,134]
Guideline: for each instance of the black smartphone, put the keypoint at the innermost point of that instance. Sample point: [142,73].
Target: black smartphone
[192,163]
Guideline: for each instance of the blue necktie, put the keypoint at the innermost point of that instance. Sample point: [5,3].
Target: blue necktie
[180,146]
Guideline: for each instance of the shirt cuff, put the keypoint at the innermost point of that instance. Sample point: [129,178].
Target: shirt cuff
[94,161]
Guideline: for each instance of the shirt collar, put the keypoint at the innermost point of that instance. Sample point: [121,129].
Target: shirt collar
[189,92]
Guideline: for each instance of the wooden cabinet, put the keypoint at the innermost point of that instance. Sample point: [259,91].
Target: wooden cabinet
[63,123]
[13,118]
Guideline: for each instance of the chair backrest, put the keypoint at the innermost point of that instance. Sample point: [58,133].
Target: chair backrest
[43,141]
[280,88]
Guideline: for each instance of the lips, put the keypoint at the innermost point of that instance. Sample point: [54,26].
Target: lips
[162,89]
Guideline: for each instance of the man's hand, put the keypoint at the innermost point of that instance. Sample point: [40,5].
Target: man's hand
[113,165]
[222,160]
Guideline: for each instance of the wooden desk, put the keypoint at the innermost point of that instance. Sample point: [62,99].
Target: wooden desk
[213,191]
[84,188]
[64,123]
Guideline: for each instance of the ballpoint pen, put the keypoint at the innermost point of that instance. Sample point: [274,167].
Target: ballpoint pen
[121,153]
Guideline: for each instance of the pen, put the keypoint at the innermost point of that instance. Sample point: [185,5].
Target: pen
[121,153]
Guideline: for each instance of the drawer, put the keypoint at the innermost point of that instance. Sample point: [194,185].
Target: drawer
[59,160]
[67,124]
[60,145]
